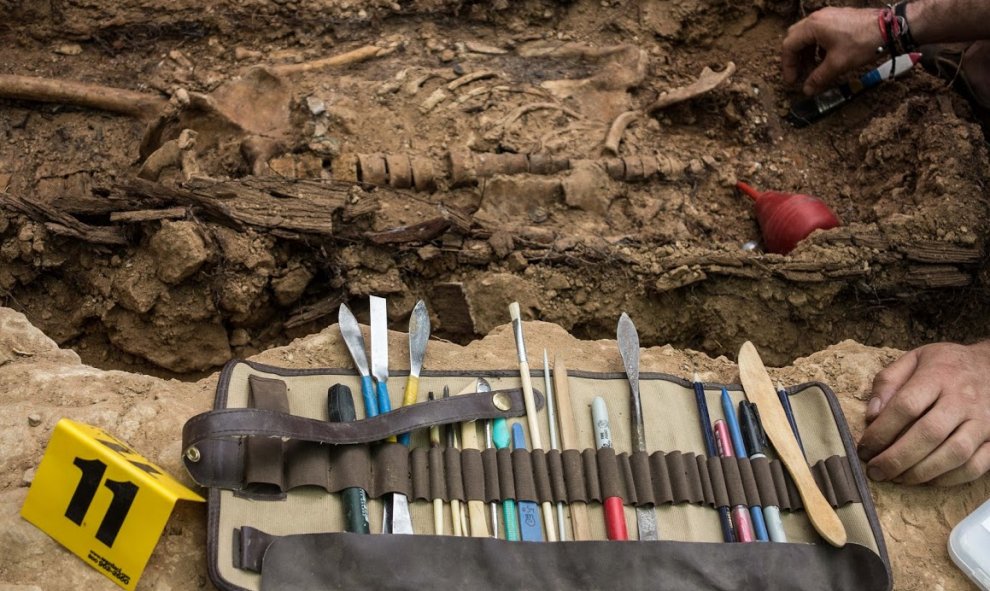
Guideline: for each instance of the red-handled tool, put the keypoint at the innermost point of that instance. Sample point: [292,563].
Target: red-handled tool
[615,515]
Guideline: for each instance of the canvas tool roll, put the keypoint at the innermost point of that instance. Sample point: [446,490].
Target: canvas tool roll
[275,466]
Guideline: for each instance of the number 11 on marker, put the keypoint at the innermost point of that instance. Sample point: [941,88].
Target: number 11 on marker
[102,500]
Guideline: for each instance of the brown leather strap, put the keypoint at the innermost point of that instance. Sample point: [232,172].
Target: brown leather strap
[212,441]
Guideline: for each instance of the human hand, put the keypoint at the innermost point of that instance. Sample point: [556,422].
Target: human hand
[930,417]
[849,36]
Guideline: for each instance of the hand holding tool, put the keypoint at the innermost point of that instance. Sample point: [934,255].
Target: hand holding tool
[501,439]
[419,335]
[340,409]
[529,512]
[788,218]
[531,418]
[351,332]
[759,390]
[741,523]
[395,517]
[646,517]
[756,442]
[615,517]
[569,439]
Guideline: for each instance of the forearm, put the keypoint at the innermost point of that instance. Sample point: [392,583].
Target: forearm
[948,21]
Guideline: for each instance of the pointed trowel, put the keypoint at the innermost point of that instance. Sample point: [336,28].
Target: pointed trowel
[419,335]
[351,332]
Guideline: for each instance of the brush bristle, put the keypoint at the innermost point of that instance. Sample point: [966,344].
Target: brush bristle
[514,310]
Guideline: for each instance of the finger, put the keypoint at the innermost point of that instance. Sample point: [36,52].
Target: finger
[921,439]
[909,403]
[975,467]
[889,380]
[799,36]
[823,76]
[954,452]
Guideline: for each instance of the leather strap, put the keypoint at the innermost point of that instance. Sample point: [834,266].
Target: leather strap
[212,441]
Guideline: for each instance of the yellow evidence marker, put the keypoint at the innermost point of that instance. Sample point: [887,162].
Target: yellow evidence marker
[102,500]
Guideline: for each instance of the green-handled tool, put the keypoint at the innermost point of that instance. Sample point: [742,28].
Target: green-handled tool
[340,409]
[502,439]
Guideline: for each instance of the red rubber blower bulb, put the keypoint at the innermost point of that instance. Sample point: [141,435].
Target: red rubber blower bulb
[788,218]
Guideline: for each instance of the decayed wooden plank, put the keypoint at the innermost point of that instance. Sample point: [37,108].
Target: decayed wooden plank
[929,251]
[62,223]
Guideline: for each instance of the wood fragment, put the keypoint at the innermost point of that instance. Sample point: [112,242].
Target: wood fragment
[421,232]
[62,223]
[706,82]
[147,215]
[616,130]
[316,311]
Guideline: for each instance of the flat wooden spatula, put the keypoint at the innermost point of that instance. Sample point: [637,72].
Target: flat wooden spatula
[759,390]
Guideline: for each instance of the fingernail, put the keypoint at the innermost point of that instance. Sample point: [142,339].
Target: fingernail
[875,473]
[864,453]
[873,407]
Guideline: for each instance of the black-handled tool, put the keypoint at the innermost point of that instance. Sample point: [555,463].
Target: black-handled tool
[340,409]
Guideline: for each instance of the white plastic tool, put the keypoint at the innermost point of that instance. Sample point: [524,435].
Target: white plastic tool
[969,546]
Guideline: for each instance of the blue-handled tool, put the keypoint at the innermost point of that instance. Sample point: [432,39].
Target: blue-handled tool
[530,524]
[395,517]
[351,331]
[501,439]
[739,446]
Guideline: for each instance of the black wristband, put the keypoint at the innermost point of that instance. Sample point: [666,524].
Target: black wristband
[904,39]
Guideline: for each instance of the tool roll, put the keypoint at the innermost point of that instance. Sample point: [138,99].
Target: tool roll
[275,467]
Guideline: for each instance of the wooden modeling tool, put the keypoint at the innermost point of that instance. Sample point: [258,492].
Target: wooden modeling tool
[759,390]
[569,440]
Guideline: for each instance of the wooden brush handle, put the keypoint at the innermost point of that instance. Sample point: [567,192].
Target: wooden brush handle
[569,440]
[759,390]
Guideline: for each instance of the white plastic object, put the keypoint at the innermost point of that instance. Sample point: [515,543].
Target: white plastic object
[969,546]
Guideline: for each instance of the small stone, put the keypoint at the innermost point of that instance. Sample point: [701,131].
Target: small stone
[28,477]
[239,337]
[447,55]
[315,105]
[34,419]
[69,49]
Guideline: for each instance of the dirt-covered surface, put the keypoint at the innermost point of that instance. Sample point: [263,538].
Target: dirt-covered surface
[40,383]
[176,274]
